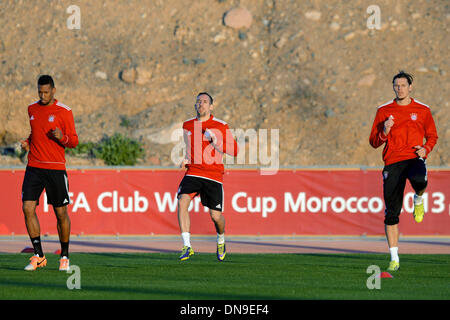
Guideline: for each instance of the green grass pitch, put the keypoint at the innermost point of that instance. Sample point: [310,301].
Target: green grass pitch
[160,276]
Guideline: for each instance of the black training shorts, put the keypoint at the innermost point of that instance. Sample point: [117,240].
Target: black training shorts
[54,182]
[394,181]
[210,191]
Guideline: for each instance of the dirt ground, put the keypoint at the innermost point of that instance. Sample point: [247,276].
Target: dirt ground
[235,244]
[313,70]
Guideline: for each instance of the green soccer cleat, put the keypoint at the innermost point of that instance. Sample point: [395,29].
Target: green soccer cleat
[221,251]
[186,253]
[419,212]
[393,266]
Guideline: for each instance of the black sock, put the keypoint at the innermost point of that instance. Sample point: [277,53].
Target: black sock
[36,242]
[65,249]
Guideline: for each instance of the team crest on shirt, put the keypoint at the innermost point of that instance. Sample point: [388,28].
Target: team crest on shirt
[414,116]
[51,118]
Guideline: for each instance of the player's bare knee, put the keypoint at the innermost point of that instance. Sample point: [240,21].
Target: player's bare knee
[183,201]
[216,216]
[61,213]
[28,209]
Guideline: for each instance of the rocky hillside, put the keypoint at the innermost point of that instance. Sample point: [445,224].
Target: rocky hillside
[311,69]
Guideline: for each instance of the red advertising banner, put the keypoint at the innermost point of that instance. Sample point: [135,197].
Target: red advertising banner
[300,202]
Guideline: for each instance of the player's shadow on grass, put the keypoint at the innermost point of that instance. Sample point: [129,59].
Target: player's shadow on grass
[149,293]
[109,245]
[11,268]
[28,284]
[281,245]
[362,256]
[135,256]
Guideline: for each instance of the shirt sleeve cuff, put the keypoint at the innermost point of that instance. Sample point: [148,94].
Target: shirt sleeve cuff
[383,136]
[64,139]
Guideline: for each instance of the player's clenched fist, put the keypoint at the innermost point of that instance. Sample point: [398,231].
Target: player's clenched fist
[184,163]
[421,151]
[388,125]
[210,136]
[24,145]
[57,133]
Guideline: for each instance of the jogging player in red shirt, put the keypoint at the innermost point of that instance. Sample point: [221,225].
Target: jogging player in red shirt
[52,130]
[402,125]
[207,139]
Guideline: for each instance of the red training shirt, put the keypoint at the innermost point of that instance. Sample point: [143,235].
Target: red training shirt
[204,157]
[47,152]
[412,123]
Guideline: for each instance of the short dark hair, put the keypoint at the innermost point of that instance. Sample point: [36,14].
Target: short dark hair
[403,74]
[210,98]
[46,79]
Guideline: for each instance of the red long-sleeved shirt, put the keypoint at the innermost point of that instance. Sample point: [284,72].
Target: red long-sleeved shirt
[47,152]
[205,158]
[412,123]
